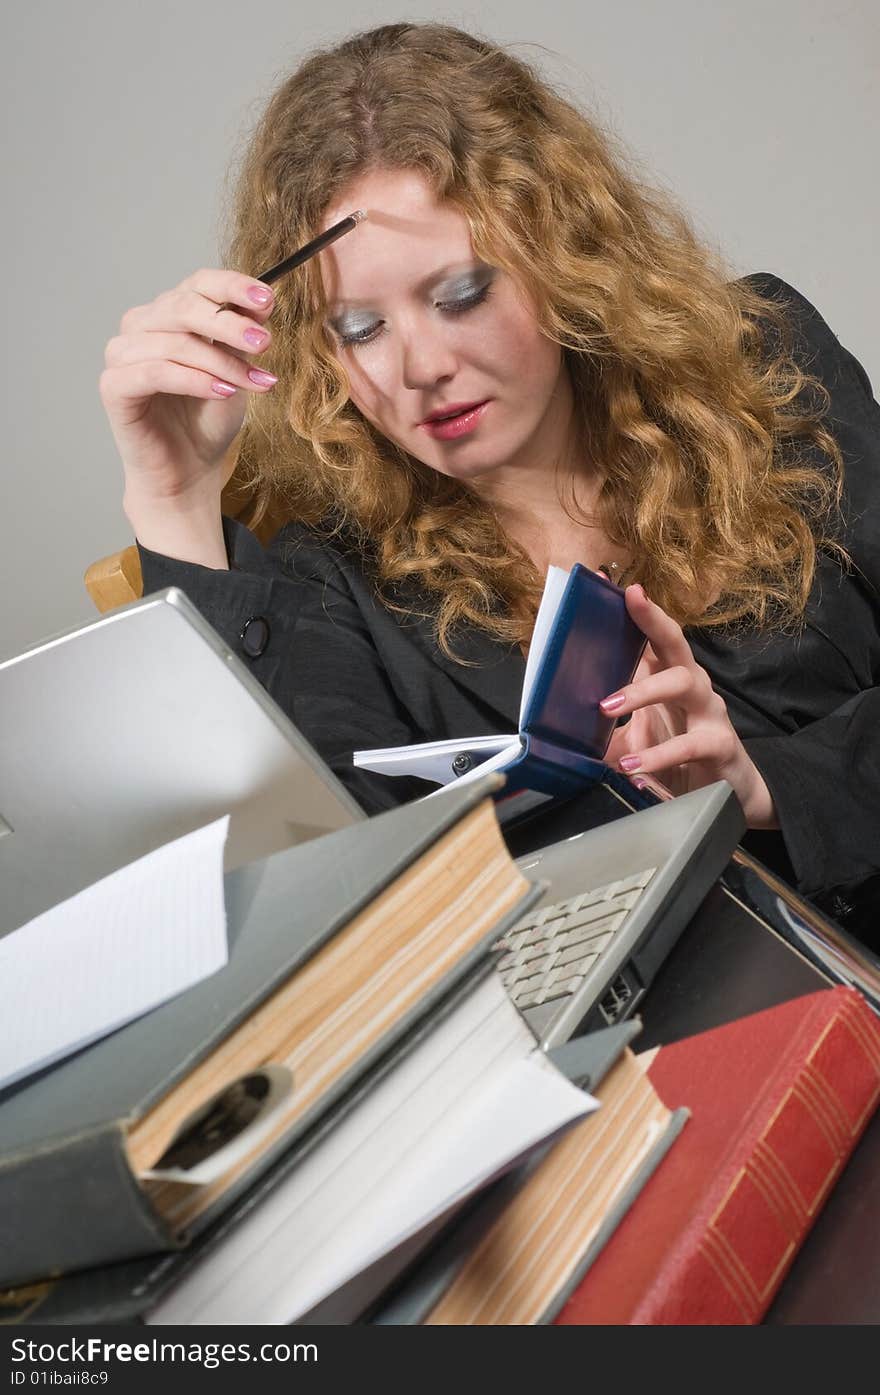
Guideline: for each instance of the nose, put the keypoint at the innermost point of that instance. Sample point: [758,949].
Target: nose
[427,356]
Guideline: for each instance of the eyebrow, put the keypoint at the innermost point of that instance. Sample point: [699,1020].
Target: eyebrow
[341,307]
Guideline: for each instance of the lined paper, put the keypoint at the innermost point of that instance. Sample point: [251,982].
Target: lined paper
[112,952]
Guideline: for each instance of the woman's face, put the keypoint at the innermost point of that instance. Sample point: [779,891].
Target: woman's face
[424,328]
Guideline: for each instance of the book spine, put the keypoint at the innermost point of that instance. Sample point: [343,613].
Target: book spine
[552,769]
[622,1204]
[729,1264]
[73,1205]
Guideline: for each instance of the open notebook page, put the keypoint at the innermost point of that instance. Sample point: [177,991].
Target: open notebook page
[112,952]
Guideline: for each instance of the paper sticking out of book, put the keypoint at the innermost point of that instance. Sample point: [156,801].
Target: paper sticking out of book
[525,1265]
[584,647]
[224,1130]
[515,1254]
[114,951]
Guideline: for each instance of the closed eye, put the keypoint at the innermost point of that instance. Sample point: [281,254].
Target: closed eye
[371,333]
[362,336]
[455,307]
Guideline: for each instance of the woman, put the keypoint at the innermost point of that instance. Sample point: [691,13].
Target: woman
[614,400]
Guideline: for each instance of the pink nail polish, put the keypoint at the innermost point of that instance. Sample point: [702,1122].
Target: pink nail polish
[262,379]
[629,763]
[611,704]
[260,295]
[256,337]
[223,389]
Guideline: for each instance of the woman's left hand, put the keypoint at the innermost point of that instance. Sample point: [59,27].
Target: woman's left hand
[679,725]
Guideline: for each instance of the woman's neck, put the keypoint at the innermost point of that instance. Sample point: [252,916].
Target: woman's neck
[552,515]
[546,499]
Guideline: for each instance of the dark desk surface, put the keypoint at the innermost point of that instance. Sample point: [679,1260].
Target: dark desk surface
[728,964]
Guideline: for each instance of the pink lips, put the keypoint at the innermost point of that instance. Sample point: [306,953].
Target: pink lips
[447,428]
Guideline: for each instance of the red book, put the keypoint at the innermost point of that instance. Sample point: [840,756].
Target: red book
[778,1100]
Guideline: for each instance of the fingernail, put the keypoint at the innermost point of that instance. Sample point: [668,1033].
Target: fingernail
[629,763]
[257,337]
[260,295]
[222,389]
[262,379]
[611,704]
[640,590]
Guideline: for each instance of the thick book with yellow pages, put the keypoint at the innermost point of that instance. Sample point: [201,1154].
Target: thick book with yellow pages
[337,948]
[521,1249]
[325,1230]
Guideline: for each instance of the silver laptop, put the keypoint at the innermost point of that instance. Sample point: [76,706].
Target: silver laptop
[122,734]
[617,899]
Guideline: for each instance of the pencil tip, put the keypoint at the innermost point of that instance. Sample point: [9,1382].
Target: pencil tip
[359,216]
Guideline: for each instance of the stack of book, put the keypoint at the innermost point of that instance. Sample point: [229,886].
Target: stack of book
[350,1122]
[346,1081]
[776,1102]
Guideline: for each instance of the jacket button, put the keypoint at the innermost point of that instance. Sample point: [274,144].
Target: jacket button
[841,908]
[254,636]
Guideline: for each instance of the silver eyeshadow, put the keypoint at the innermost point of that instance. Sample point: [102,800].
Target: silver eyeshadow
[455,293]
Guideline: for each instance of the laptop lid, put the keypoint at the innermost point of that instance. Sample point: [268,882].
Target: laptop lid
[122,734]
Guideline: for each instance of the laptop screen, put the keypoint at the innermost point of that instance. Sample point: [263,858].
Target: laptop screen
[122,734]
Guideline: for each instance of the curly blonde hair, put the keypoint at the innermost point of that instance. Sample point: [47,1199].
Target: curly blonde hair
[686,390]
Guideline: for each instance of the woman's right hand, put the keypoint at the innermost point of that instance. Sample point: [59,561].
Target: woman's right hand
[174,391]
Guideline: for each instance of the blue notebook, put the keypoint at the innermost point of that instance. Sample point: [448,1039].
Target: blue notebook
[584,647]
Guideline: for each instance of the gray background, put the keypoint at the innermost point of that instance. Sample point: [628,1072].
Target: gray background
[123,118]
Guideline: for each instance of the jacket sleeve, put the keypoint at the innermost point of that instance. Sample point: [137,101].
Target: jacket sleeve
[825,777]
[316,658]
[825,784]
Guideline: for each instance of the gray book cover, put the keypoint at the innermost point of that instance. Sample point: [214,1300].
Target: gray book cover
[127,1291]
[68,1198]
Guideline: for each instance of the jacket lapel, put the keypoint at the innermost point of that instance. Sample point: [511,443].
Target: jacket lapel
[491,671]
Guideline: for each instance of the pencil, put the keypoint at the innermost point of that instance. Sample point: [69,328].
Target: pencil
[295,259]
[317,244]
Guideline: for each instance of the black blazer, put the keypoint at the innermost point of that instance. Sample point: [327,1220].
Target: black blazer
[353,674]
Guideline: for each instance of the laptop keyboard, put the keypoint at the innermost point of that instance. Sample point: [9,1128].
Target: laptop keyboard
[551,950]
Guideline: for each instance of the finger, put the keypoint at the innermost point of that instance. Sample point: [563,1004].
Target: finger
[129,387]
[670,685]
[187,310]
[190,351]
[665,634]
[647,664]
[689,688]
[225,287]
[650,782]
[706,744]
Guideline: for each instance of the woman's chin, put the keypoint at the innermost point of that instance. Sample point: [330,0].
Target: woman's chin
[469,466]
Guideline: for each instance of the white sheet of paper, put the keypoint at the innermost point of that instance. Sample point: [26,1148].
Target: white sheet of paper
[112,952]
[554,586]
[434,758]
